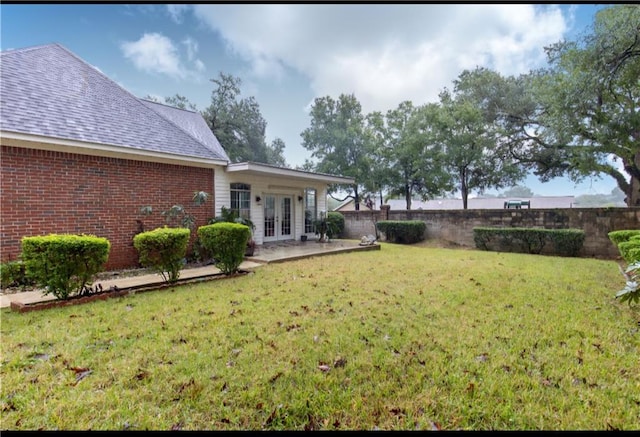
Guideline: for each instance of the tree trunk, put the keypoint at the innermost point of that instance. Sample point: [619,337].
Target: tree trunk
[407,196]
[464,189]
[633,196]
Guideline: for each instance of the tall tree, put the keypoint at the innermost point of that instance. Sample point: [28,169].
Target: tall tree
[338,141]
[180,102]
[238,123]
[275,153]
[412,155]
[475,150]
[377,180]
[588,105]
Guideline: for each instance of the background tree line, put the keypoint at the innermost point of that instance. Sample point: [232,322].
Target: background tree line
[579,117]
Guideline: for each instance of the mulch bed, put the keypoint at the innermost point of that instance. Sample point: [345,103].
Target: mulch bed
[116,292]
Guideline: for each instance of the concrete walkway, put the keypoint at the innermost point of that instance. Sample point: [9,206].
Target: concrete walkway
[268,253]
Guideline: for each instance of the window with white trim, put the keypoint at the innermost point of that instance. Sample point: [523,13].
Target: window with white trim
[310,209]
[241,199]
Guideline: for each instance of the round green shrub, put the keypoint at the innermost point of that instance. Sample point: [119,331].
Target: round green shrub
[226,242]
[163,250]
[63,263]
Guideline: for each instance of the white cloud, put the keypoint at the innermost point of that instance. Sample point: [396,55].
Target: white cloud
[192,47]
[385,53]
[176,12]
[155,53]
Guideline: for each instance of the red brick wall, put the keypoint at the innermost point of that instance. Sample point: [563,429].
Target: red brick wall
[45,192]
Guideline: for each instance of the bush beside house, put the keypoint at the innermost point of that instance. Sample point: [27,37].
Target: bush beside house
[64,264]
[164,250]
[227,243]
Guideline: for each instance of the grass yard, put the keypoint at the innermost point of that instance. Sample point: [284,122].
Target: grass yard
[401,338]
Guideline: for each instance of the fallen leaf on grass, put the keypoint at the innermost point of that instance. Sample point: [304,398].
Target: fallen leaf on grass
[324,367]
[397,411]
[339,362]
[44,357]
[273,415]
[482,357]
[81,375]
[312,424]
[77,369]
[275,377]
[142,375]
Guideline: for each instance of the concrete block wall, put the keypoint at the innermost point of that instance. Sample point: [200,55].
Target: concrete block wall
[457,225]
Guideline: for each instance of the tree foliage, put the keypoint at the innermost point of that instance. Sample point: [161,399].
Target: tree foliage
[337,139]
[582,116]
[475,152]
[236,122]
[409,158]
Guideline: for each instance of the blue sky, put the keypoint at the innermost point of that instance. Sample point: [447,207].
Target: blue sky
[289,54]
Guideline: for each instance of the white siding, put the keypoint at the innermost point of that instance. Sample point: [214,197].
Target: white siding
[261,185]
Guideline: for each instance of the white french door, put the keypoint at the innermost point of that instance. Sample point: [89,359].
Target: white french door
[278,217]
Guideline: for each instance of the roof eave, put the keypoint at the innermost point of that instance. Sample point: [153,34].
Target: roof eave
[41,142]
[270,170]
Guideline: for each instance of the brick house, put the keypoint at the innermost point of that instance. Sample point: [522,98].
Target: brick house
[80,154]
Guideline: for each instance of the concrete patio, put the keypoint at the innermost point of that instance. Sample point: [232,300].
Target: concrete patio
[267,253]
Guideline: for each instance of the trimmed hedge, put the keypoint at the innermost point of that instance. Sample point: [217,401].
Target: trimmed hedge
[630,249]
[227,243]
[623,235]
[402,231]
[566,242]
[163,250]
[63,263]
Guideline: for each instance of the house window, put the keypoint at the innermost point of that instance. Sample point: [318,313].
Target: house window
[241,199]
[310,209]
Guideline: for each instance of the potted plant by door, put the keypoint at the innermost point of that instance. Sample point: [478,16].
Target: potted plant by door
[324,228]
[251,247]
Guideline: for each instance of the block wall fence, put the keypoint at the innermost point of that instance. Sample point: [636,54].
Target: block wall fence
[44,192]
[456,226]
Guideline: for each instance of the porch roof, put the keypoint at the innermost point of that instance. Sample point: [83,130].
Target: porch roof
[259,169]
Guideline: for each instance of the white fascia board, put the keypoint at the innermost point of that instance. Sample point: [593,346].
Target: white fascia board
[40,142]
[271,170]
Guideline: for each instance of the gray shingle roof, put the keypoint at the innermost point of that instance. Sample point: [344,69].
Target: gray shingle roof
[191,122]
[47,90]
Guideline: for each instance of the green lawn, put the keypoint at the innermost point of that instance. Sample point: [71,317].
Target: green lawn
[401,338]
